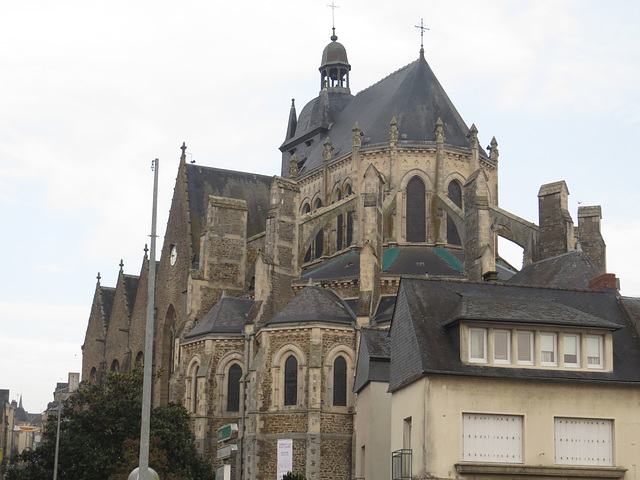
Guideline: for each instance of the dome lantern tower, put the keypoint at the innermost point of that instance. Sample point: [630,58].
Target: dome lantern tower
[334,69]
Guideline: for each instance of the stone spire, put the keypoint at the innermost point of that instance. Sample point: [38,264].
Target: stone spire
[293,120]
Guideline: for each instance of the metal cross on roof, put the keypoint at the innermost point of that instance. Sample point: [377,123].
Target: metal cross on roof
[422,29]
[333,7]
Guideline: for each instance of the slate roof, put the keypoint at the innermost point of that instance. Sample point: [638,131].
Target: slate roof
[413,95]
[226,316]
[108,295]
[374,355]
[204,181]
[315,304]
[424,335]
[568,270]
[131,289]
[632,308]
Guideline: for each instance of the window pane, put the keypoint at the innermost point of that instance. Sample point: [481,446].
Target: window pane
[477,345]
[525,347]
[501,345]
[416,211]
[340,382]
[594,351]
[571,350]
[291,381]
[548,348]
[233,388]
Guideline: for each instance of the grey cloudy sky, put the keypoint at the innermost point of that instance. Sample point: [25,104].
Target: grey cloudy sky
[92,91]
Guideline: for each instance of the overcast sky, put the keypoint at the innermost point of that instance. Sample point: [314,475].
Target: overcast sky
[91,92]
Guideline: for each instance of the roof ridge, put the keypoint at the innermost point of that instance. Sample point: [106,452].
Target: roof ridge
[384,78]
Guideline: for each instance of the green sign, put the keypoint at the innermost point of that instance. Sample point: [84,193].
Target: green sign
[227,432]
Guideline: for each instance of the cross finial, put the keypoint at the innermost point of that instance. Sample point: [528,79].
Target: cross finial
[422,29]
[146,250]
[98,277]
[121,264]
[333,7]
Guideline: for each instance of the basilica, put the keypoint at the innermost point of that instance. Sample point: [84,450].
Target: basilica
[356,308]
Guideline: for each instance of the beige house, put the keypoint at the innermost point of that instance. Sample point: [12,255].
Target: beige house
[502,381]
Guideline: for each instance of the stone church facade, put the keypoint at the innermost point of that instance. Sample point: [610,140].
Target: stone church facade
[265,284]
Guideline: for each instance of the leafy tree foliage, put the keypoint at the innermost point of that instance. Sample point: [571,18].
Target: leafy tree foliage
[100,435]
[293,476]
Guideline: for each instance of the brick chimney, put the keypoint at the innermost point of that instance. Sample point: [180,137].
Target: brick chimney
[604,282]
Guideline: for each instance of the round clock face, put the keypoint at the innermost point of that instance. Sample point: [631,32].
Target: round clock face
[173,255]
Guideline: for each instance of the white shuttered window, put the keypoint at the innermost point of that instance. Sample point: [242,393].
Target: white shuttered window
[583,441]
[491,438]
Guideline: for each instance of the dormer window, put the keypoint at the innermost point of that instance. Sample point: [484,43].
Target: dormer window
[537,348]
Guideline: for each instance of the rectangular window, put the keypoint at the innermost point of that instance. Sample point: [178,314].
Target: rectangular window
[525,348]
[491,438]
[571,350]
[594,351]
[583,441]
[478,345]
[548,348]
[502,346]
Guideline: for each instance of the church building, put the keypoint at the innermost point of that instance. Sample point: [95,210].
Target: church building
[356,304]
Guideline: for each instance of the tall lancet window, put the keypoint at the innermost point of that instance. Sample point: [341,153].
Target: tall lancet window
[340,382]
[233,388]
[291,381]
[455,195]
[416,211]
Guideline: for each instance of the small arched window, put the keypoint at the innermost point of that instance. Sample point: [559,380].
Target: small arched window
[291,381]
[115,366]
[455,195]
[416,211]
[140,358]
[233,388]
[340,382]
[93,376]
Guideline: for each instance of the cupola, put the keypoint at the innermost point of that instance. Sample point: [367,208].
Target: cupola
[334,69]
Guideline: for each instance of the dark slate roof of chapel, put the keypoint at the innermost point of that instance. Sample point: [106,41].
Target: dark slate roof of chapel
[108,295]
[406,260]
[425,341]
[632,307]
[373,358]
[226,316]
[568,270]
[131,289]
[315,304]
[412,95]
[205,181]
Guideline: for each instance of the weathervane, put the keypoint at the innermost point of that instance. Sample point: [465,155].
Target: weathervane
[333,7]
[422,29]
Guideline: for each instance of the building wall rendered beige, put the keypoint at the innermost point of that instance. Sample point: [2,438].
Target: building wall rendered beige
[372,426]
[447,398]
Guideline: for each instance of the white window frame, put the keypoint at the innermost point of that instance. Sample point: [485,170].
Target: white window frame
[576,342]
[554,337]
[531,334]
[478,359]
[507,347]
[583,441]
[600,357]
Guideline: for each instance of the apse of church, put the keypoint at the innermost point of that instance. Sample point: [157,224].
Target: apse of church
[265,284]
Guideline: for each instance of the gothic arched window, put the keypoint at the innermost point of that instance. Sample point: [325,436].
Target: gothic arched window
[416,211]
[319,243]
[347,192]
[140,358]
[115,366]
[455,195]
[340,382]
[93,376]
[291,381]
[233,388]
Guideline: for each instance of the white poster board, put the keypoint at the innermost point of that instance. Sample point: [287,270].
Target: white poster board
[285,457]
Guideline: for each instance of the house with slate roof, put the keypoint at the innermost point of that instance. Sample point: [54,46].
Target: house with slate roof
[321,305]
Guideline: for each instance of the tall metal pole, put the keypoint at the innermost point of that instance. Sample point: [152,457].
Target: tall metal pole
[148,345]
[55,459]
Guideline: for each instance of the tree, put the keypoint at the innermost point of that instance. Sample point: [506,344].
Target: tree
[100,434]
[293,476]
